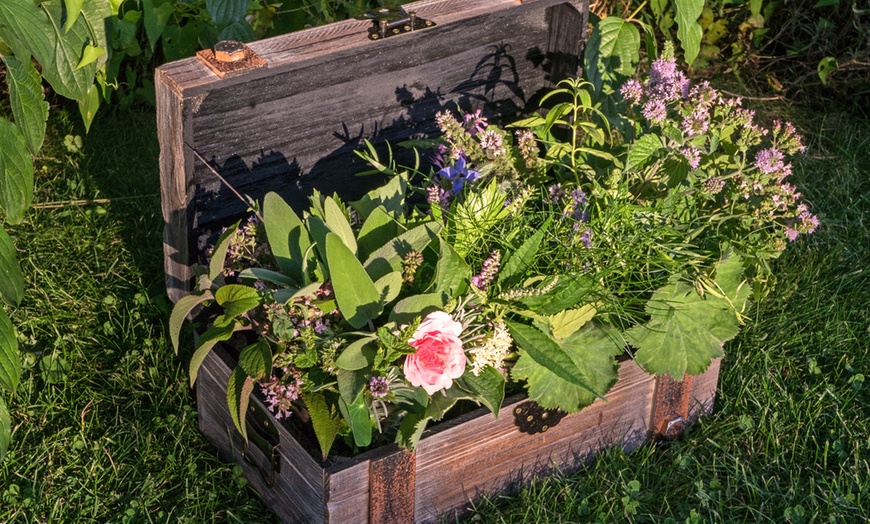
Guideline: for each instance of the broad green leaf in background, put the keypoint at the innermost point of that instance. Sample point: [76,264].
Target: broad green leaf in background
[180,311]
[523,257]
[689,31]
[239,388]
[325,421]
[288,239]
[5,429]
[452,273]
[16,172]
[592,351]
[10,362]
[157,14]
[27,100]
[256,360]
[356,294]
[612,51]
[237,299]
[359,418]
[547,353]
[642,151]
[225,12]
[11,278]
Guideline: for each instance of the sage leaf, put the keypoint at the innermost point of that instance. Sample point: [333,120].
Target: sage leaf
[11,278]
[16,172]
[356,294]
[10,362]
[27,100]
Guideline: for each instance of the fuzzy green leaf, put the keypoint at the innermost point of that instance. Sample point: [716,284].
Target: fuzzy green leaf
[288,238]
[486,388]
[548,354]
[689,31]
[591,351]
[180,311]
[27,100]
[358,354]
[523,258]
[256,360]
[388,257]
[239,388]
[11,278]
[452,273]
[686,330]
[237,299]
[359,418]
[642,151]
[16,172]
[10,362]
[5,429]
[378,229]
[225,12]
[356,294]
[324,420]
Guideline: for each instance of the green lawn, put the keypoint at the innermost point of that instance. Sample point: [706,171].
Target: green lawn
[105,423]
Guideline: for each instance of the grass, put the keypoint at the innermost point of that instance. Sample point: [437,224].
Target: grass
[105,425]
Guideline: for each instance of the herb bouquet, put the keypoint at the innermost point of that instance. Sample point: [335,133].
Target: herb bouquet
[541,255]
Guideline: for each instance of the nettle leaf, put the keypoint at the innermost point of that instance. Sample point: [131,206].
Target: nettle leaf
[592,351]
[642,151]
[612,50]
[10,362]
[27,100]
[686,331]
[239,388]
[11,278]
[356,294]
[566,323]
[549,355]
[225,12]
[523,258]
[16,172]
[288,238]
[237,299]
[486,388]
[452,273]
[5,429]
[180,311]
[256,360]
[359,418]
[689,31]
[324,420]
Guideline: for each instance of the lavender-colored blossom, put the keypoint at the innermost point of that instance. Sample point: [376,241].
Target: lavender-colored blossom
[488,273]
[693,156]
[655,111]
[379,387]
[459,174]
[474,122]
[632,91]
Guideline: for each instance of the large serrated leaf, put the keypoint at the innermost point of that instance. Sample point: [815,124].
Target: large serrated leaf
[326,424]
[5,429]
[642,151]
[11,278]
[356,294]
[591,350]
[288,238]
[239,388]
[10,361]
[550,355]
[27,100]
[523,258]
[225,12]
[180,311]
[16,172]
[237,299]
[452,273]
[689,31]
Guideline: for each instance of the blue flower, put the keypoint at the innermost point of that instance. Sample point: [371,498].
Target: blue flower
[458,174]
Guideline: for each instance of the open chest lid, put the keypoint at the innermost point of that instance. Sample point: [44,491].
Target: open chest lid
[289,116]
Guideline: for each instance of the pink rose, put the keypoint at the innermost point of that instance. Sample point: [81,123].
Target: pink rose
[439,358]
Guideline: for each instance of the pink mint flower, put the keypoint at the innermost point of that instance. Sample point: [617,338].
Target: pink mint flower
[439,358]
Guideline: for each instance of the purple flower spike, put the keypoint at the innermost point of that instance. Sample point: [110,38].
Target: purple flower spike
[459,174]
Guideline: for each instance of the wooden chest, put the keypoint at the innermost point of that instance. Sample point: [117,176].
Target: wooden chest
[288,118]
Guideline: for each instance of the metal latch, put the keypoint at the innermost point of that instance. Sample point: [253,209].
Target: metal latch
[391,21]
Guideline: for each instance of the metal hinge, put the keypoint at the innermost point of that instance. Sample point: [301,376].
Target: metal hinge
[391,21]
